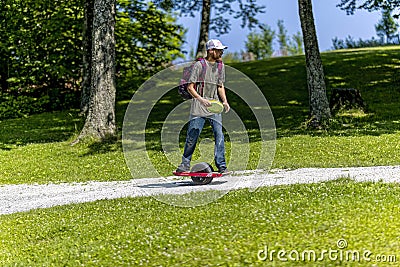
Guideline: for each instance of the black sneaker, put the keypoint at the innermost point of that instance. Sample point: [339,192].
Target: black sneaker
[223,170]
[183,168]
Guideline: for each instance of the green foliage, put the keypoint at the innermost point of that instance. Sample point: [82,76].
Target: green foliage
[295,46]
[38,39]
[220,24]
[282,38]
[41,56]
[147,39]
[14,107]
[289,46]
[350,6]
[39,51]
[231,57]
[349,43]
[229,232]
[260,44]
[387,25]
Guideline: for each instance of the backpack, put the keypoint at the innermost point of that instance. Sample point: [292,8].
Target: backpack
[187,71]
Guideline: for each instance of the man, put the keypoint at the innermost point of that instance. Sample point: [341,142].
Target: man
[213,90]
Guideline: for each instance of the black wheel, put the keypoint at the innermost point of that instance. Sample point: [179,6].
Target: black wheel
[202,167]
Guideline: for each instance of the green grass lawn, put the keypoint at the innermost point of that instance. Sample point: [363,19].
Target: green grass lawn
[229,232]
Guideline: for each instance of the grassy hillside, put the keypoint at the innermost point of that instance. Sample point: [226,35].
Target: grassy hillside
[375,72]
[39,145]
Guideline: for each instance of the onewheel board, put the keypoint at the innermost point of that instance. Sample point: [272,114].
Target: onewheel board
[201,173]
[216,107]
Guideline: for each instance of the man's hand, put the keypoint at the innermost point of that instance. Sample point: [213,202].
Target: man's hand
[226,106]
[204,102]
[222,96]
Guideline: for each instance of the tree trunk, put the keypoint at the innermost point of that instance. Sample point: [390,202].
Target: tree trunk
[4,71]
[100,121]
[204,29]
[87,55]
[319,106]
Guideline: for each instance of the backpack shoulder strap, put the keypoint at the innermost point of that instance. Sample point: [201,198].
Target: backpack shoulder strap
[220,66]
[204,65]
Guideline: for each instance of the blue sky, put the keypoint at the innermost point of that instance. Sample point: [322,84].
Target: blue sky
[330,22]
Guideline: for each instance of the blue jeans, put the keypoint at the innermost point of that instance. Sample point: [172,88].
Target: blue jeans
[196,124]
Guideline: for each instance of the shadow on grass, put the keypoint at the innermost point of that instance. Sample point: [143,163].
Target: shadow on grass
[40,128]
[283,82]
[179,184]
[104,147]
[4,147]
[374,72]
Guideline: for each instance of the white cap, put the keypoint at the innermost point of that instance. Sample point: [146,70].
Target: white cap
[215,44]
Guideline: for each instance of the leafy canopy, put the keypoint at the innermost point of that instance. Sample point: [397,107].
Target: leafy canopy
[246,10]
[260,44]
[41,50]
[387,25]
[350,6]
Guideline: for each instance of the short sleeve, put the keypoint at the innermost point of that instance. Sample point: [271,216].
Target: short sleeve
[221,76]
[196,72]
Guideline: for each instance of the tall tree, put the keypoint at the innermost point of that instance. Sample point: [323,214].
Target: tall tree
[260,44]
[204,28]
[219,23]
[387,26]
[100,120]
[282,38]
[87,55]
[295,46]
[319,107]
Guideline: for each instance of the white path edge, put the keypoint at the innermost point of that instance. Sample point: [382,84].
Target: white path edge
[25,197]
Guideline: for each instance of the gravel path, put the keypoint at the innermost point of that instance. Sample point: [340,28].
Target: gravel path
[18,198]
